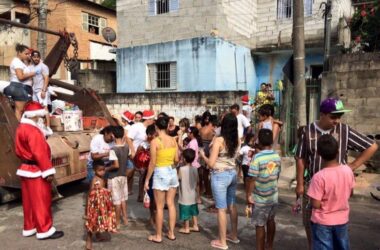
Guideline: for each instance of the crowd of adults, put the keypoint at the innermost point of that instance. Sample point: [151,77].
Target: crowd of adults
[199,157]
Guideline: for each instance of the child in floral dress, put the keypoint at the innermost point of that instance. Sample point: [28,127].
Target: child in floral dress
[100,210]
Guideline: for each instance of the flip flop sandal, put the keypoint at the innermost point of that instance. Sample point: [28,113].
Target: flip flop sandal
[236,241]
[182,231]
[216,244]
[195,231]
[151,239]
[172,239]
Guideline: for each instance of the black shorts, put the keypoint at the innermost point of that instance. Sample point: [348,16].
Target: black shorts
[19,92]
[245,169]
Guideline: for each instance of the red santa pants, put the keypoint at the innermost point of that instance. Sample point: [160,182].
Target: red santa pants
[36,203]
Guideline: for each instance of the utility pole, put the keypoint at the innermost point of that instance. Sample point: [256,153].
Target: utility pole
[327,33]
[299,63]
[42,16]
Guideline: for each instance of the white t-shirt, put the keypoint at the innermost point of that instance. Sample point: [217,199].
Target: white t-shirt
[243,123]
[244,151]
[16,64]
[28,70]
[248,110]
[137,133]
[38,79]
[98,145]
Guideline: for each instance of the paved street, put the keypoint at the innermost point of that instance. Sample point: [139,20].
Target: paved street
[68,212]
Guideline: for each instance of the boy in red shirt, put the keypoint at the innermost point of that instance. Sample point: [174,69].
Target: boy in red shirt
[330,190]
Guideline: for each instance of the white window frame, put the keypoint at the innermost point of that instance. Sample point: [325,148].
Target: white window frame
[153,10]
[285,9]
[152,76]
[89,20]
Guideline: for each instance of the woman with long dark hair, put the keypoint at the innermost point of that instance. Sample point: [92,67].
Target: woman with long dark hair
[224,150]
[163,158]
[20,88]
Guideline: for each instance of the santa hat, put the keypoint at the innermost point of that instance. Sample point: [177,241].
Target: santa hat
[245,99]
[33,109]
[148,114]
[128,116]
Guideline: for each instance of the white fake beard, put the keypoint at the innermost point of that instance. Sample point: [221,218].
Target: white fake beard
[45,130]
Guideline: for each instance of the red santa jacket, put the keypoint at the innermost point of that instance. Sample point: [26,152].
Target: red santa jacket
[31,146]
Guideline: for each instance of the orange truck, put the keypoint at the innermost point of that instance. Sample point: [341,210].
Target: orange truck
[69,149]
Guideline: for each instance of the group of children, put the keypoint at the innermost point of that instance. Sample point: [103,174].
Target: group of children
[261,167]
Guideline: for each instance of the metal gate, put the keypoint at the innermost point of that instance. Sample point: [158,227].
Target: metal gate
[313,99]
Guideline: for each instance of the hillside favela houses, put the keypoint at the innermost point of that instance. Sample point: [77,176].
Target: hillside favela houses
[84,18]
[208,53]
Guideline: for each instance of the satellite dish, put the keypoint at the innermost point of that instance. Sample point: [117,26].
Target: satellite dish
[109,34]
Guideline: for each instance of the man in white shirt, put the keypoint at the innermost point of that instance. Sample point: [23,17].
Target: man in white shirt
[137,134]
[41,82]
[247,109]
[100,147]
[243,122]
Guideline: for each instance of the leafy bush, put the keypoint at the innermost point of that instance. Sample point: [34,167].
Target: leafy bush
[365,27]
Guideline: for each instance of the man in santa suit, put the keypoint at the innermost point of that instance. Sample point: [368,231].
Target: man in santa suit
[36,173]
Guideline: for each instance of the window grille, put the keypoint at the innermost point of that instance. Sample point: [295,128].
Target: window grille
[157,7]
[93,24]
[162,6]
[162,76]
[285,8]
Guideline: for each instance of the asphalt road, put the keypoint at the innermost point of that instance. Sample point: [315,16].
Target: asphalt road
[68,212]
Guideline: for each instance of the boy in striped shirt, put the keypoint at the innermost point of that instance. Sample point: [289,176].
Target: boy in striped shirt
[263,175]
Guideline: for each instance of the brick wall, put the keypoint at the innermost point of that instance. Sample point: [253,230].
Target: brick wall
[67,15]
[356,79]
[179,105]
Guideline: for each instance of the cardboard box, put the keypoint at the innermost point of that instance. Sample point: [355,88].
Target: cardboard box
[72,120]
[55,121]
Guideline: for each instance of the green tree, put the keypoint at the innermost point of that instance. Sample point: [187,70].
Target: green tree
[109,4]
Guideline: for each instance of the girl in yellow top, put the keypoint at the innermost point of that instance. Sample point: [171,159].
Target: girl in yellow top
[163,158]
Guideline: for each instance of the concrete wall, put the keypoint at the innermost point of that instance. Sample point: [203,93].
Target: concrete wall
[232,20]
[203,64]
[272,31]
[100,80]
[4,73]
[179,105]
[250,23]
[355,78]
[8,40]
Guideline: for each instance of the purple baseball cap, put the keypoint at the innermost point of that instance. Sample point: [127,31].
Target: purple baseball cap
[332,106]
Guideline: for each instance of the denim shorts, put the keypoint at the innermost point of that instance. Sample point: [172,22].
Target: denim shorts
[130,164]
[19,92]
[165,178]
[330,237]
[223,185]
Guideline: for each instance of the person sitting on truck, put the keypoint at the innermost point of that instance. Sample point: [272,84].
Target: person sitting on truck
[20,89]
[100,147]
[41,83]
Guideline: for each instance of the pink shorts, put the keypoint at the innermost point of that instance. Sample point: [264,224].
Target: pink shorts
[119,189]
